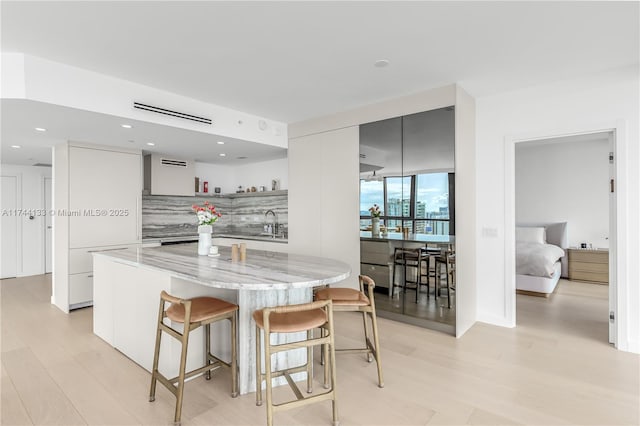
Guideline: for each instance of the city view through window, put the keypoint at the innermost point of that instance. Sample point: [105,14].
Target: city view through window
[418,202]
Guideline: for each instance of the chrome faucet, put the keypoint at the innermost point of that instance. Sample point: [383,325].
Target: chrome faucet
[274,229]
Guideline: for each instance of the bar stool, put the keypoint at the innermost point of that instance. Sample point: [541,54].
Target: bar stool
[446,259]
[295,319]
[352,300]
[425,268]
[407,257]
[193,313]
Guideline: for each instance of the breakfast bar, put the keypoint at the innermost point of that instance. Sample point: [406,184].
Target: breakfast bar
[127,286]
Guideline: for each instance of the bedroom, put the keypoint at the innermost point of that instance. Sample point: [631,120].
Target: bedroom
[562,231]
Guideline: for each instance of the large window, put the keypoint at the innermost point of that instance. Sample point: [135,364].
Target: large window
[418,202]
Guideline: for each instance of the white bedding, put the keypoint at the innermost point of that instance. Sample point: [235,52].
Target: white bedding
[542,285]
[536,259]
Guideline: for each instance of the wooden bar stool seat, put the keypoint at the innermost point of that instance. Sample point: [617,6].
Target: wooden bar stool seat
[202,309]
[352,300]
[294,319]
[292,322]
[193,313]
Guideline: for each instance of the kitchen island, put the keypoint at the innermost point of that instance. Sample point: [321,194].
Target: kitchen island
[127,286]
[376,253]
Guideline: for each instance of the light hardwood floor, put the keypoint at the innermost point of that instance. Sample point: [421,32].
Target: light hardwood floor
[554,368]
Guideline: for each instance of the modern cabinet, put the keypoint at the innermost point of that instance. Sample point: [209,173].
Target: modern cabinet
[589,265]
[97,200]
[407,168]
[374,261]
[165,175]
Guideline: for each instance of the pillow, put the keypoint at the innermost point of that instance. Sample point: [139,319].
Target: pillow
[530,234]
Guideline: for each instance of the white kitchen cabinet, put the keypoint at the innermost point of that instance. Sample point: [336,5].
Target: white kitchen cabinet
[104,186]
[97,200]
[80,289]
[167,175]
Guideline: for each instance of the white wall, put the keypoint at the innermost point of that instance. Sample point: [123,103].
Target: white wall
[594,102]
[31,250]
[254,174]
[324,171]
[38,79]
[324,197]
[565,182]
[465,198]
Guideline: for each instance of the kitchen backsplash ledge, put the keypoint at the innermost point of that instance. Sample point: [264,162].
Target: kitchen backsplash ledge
[171,216]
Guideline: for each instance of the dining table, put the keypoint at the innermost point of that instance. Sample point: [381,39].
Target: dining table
[127,285]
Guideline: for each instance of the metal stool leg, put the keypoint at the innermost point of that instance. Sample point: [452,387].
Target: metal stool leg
[366,335]
[309,363]
[332,354]
[234,356]
[258,367]
[156,355]
[181,373]
[267,366]
[207,350]
[376,343]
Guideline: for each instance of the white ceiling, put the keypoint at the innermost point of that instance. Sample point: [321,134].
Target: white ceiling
[21,117]
[291,61]
[602,137]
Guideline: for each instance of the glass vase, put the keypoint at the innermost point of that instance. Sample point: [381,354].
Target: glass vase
[375,227]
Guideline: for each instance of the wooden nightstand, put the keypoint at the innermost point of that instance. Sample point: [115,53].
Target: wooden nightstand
[589,265]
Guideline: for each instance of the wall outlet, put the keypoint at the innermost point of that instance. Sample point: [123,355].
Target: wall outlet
[488,232]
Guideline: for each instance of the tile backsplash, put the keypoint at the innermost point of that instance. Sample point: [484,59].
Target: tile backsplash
[172,216]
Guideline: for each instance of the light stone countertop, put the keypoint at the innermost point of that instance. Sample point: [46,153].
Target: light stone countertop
[194,237]
[263,270]
[412,238]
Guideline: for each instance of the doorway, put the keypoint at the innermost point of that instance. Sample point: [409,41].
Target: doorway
[564,199]
[9,229]
[48,227]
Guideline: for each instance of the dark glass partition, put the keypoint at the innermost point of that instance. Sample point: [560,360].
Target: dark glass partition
[407,170]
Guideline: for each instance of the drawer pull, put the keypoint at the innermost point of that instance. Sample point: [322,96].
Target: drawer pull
[90,276]
[101,250]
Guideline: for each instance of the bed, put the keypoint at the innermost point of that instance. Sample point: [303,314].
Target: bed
[540,257]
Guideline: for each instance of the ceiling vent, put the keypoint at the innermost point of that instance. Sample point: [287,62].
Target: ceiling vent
[174,163]
[164,111]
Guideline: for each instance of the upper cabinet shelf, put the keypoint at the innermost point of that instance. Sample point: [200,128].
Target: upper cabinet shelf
[243,194]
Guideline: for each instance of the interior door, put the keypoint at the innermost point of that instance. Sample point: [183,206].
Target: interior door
[612,242]
[9,228]
[48,264]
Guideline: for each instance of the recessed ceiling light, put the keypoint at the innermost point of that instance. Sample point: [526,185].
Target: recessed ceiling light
[220,143]
[151,144]
[41,129]
[223,155]
[381,63]
[15,146]
[126,126]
